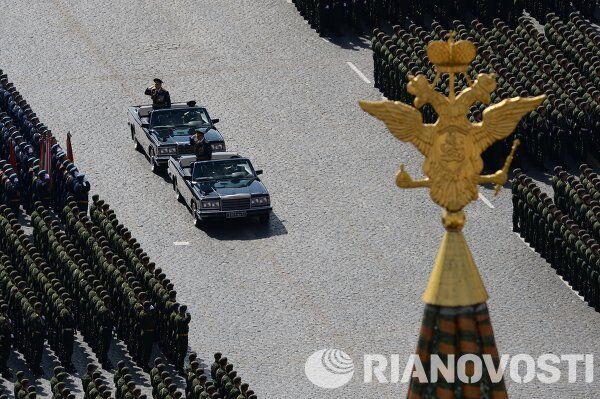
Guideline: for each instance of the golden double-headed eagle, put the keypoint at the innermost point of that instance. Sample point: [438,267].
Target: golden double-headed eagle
[452,146]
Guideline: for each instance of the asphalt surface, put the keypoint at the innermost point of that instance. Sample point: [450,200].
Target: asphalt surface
[347,255]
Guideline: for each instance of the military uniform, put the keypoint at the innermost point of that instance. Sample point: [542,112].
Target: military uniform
[160,97]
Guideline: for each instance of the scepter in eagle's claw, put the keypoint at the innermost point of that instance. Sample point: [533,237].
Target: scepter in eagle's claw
[507,163]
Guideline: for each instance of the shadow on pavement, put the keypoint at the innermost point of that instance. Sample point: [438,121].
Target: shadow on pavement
[353,42]
[244,229]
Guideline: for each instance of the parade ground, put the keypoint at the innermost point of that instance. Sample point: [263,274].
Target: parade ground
[346,256]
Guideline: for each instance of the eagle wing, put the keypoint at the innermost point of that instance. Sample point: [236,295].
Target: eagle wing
[501,119]
[403,121]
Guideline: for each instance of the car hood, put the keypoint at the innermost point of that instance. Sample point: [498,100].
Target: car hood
[167,135]
[223,188]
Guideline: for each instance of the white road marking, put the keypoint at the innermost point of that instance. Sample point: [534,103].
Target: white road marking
[179,243]
[557,275]
[358,72]
[289,1]
[486,201]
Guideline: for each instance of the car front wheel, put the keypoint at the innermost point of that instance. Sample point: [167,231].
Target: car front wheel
[194,207]
[178,195]
[136,144]
[154,167]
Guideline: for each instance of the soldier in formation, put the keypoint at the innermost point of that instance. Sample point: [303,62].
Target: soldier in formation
[6,338]
[163,386]
[56,304]
[22,180]
[226,380]
[93,314]
[331,16]
[125,387]
[94,386]
[23,388]
[58,384]
[159,315]
[549,227]
[567,122]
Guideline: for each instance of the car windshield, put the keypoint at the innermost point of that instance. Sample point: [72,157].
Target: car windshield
[222,170]
[180,117]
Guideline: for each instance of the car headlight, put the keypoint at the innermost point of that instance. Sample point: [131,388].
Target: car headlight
[218,147]
[211,204]
[260,200]
[167,150]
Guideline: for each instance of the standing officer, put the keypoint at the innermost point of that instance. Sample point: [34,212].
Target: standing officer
[202,148]
[160,97]
[81,189]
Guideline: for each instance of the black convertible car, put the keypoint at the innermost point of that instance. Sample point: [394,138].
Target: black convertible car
[225,187]
[165,133]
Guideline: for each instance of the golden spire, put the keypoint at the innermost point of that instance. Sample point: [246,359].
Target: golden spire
[452,147]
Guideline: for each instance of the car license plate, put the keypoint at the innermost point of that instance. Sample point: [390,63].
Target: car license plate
[236,214]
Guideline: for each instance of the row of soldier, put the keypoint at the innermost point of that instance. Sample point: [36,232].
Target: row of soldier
[579,198]
[113,284]
[567,247]
[6,337]
[163,385]
[26,174]
[171,324]
[22,318]
[224,383]
[50,315]
[68,267]
[94,385]
[579,40]
[329,16]
[519,58]
[39,288]
[39,292]
[226,380]
[125,387]
[540,8]
[25,389]
[93,314]
[58,384]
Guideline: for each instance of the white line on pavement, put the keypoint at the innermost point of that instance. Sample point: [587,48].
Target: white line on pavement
[557,275]
[179,243]
[358,72]
[486,201]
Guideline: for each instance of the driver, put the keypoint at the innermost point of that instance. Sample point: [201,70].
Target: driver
[202,149]
[191,115]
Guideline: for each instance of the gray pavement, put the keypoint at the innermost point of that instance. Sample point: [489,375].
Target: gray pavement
[347,255]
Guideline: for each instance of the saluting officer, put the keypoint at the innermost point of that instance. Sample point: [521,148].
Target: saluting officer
[160,97]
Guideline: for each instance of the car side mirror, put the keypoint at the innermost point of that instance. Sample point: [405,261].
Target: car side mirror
[145,125]
[259,172]
[215,121]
